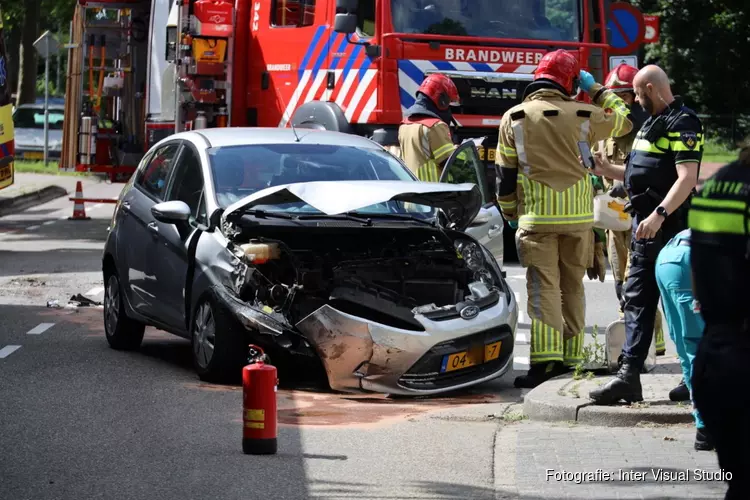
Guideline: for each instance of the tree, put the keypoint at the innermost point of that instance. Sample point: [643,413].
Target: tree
[27,56]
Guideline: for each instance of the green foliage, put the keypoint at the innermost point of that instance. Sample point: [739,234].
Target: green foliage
[592,354]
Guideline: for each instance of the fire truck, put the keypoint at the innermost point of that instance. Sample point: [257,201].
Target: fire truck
[157,67]
[7,174]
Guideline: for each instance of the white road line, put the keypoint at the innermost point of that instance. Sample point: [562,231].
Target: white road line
[95,291]
[522,318]
[96,206]
[521,363]
[8,350]
[40,329]
[64,217]
[522,338]
[49,222]
[32,228]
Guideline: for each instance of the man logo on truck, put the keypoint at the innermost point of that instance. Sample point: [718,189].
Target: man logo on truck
[493,93]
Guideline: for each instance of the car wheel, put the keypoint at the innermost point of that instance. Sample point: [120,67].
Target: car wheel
[219,346]
[122,332]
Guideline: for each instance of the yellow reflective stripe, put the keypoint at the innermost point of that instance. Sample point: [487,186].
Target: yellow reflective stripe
[544,205]
[507,151]
[677,135]
[546,343]
[428,172]
[716,222]
[659,147]
[713,203]
[442,151]
[679,146]
[573,349]
[507,205]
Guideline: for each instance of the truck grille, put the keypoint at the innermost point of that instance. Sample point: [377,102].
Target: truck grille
[425,373]
[489,96]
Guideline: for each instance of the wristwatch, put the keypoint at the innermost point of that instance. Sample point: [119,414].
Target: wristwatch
[661,211]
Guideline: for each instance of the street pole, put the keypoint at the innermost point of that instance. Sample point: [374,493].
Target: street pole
[46,103]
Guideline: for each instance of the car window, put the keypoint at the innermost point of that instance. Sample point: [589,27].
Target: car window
[464,167]
[153,179]
[240,171]
[187,184]
[34,118]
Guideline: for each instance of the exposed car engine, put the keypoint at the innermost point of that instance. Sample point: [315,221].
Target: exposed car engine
[383,274]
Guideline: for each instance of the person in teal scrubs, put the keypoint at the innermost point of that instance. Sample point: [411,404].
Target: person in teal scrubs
[674,277]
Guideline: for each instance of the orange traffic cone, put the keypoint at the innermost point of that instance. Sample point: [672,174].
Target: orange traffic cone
[79,209]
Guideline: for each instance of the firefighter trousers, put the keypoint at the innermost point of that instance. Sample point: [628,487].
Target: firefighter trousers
[719,369]
[618,245]
[660,343]
[555,267]
[673,275]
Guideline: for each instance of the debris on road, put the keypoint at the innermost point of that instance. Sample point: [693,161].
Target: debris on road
[75,302]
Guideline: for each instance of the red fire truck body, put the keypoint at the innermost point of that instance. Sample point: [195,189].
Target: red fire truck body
[346,65]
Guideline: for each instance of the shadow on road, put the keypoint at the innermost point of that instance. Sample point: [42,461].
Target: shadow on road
[71,260]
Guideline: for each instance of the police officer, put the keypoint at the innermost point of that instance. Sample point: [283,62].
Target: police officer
[719,222]
[545,192]
[660,176]
[424,136]
[620,81]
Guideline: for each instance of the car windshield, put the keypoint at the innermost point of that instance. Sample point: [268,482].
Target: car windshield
[34,118]
[239,171]
[527,19]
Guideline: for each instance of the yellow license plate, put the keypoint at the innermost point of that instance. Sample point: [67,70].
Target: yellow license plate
[465,359]
[490,154]
[33,155]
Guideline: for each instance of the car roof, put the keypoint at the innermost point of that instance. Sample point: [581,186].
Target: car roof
[241,136]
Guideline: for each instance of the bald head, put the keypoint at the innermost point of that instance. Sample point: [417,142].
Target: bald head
[652,89]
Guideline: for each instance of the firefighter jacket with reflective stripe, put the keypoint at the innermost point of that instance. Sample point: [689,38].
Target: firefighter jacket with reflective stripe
[672,137]
[425,145]
[543,184]
[719,220]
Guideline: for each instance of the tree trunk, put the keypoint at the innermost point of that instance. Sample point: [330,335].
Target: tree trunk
[27,55]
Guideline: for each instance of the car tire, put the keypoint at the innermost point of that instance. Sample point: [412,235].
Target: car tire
[122,332]
[218,344]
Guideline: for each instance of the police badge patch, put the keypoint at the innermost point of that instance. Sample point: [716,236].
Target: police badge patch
[689,139]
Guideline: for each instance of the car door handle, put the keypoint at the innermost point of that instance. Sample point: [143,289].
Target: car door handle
[494,230]
[153,228]
[126,206]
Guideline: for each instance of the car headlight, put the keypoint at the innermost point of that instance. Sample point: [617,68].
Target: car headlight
[471,254]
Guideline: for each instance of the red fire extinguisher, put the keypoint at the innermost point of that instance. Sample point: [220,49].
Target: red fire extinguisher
[259,418]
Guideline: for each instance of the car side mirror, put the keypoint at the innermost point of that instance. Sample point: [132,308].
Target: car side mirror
[483,217]
[171,212]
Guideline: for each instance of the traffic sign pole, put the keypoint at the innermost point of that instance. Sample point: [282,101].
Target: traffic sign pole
[46,103]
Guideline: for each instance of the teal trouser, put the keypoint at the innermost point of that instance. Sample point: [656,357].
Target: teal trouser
[685,323]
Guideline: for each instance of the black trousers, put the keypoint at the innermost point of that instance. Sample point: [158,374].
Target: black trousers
[720,373]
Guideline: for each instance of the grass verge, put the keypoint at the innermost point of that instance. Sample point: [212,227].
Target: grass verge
[38,167]
[715,152]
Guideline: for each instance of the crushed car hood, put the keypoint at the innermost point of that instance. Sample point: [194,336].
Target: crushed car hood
[460,202]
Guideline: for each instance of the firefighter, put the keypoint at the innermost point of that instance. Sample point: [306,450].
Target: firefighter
[424,136]
[720,261]
[545,192]
[660,176]
[620,81]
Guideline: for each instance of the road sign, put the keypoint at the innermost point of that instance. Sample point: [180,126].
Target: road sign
[47,45]
[652,29]
[626,28]
[615,61]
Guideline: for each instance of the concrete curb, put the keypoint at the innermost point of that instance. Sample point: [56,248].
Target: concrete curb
[551,402]
[23,201]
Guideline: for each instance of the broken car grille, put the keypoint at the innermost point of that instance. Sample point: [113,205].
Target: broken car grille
[425,373]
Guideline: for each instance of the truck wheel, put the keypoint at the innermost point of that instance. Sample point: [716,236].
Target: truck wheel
[122,332]
[218,344]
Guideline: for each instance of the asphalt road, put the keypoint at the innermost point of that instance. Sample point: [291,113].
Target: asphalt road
[82,421]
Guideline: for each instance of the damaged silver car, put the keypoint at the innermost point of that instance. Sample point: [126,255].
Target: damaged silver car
[320,247]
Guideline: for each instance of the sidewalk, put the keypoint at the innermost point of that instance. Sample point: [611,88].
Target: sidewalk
[564,399]
[30,190]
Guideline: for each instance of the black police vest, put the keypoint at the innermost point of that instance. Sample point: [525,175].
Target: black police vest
[651,170]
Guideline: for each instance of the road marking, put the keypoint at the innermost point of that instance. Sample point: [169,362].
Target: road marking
[40,329]
[49,222]
[522,338]
[522,318]
[8,350]
[96,206]
[32,228]
[95,291]
[521,363]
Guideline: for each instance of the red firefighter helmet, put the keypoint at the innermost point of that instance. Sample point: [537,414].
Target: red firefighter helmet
[440,89]
[561,67]
[621,78]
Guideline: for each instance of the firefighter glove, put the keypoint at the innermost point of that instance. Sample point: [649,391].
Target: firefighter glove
[618,190]
[599,269]
[586,80]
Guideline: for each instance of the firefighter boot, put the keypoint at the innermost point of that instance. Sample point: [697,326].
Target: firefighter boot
[538,373]
[625,386]
[703,441]
[680,393]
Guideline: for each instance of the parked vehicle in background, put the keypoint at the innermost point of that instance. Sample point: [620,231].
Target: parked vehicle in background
[318,246]
[29,125]
[7,135]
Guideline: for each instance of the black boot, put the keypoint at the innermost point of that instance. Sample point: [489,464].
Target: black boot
[680,393]
[703,441]
[538,373]
[625,386]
